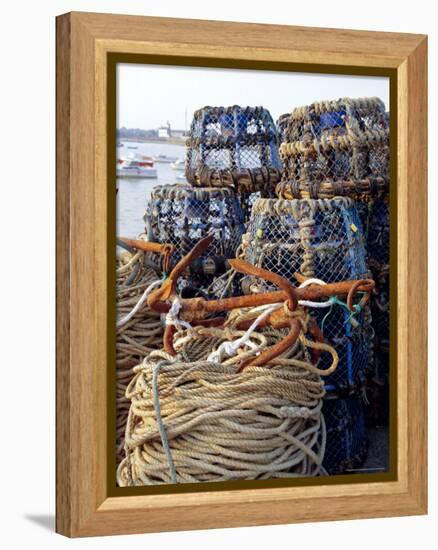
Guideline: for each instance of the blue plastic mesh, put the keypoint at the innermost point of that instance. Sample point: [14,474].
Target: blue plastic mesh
[322,239]
[346,446]
[234,147]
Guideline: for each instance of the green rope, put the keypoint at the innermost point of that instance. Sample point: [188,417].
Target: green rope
[334,300]
[327,315]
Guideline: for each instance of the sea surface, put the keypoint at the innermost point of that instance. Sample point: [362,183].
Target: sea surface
[133,193]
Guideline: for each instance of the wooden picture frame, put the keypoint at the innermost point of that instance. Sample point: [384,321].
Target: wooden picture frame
[88,45]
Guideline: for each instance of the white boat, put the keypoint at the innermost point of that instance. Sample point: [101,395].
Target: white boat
[132,146]
[164,159]
[136,166]
[179,165]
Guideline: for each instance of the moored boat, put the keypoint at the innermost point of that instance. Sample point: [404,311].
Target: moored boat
[178,165]
[164,159]
[136,166]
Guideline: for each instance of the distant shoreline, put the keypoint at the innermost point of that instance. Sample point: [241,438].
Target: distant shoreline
[169,141]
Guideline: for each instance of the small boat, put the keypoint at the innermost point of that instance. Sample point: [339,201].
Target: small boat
[119,144]
[132,146]
[164,158]
[179,165]
[136,166]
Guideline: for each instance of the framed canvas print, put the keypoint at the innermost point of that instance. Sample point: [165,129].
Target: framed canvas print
[241,274]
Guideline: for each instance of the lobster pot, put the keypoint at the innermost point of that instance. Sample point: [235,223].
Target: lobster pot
[378,240]
[377,391]
[247,202]
[182,215]
[335,148]
[378,261]
[377,221]
[233,147]
[136,335]
[346,446]
[320,239]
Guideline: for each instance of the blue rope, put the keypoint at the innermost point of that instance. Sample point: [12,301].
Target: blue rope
[160,423]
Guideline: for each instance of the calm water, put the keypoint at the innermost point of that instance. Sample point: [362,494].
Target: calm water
[133,193]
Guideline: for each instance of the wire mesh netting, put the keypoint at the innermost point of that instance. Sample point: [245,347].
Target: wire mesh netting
[335,148]
[375,219]
[247,201]
[378,261]
[378,234]
[233,147]
[320,239]
[346,446]
[181,215]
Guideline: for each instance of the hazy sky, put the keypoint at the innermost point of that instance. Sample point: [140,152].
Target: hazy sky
[150,95]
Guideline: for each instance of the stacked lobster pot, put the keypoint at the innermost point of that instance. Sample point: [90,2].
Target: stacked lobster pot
[319,241]
[182,215]
[234,147]
[378,261]
[232,154]
[335,180]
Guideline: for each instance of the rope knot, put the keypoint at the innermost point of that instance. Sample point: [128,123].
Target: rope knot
[300,313]
[171,317]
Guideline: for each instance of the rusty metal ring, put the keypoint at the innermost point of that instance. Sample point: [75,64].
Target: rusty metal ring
[352,293]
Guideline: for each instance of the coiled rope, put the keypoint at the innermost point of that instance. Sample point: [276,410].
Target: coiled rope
[193,420]
[139,329]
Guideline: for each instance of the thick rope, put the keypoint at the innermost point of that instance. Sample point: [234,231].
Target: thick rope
[139,304]
[161,428]
[193,420]
[139,330]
